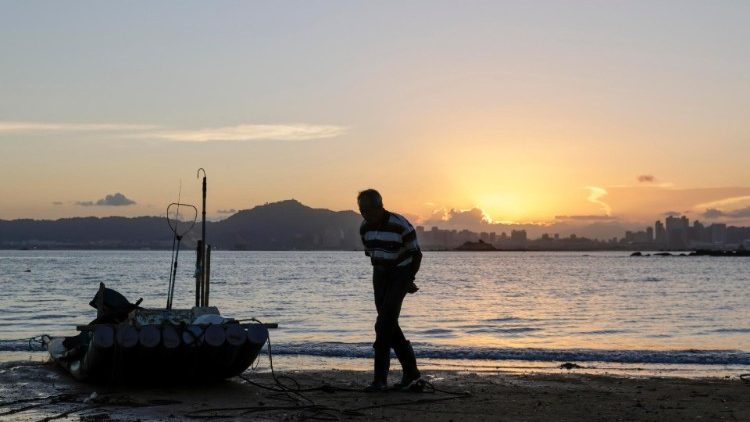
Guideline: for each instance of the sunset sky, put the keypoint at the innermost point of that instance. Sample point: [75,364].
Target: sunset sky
[543,111]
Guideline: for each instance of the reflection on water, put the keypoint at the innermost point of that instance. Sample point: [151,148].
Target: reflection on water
[558,301]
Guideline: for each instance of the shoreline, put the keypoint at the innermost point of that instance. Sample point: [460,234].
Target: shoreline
[303,362]
[46,391]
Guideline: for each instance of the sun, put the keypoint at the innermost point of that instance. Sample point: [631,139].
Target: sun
[501,208]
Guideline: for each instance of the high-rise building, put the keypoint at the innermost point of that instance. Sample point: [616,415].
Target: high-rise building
[677,232]
[660,234]
[518,235]
[718,233]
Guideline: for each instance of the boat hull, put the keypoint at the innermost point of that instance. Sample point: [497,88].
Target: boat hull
[166,353]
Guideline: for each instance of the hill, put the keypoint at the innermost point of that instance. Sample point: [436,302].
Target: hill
[284,225]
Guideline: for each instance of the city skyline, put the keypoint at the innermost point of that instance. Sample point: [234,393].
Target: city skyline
[674,232]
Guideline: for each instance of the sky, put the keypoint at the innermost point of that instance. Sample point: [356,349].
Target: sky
[527,112]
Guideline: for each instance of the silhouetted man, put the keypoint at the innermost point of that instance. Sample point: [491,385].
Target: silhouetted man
[391,243]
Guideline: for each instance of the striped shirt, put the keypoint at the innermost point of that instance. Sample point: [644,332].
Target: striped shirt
[390,243]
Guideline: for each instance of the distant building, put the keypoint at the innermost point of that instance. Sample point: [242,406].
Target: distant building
[699,234]
[518,236]
[718,233]
[677,232]
[660,234]
[639,236]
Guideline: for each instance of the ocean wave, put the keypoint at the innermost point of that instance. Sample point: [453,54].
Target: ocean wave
[431,351]
[499,330]
[604,332]
[732,330]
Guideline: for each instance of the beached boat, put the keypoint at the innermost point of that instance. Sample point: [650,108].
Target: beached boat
[130,344]
[157,345]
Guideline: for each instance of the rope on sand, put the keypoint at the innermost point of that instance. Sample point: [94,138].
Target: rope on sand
[45,401]
[293,392]
[68,412]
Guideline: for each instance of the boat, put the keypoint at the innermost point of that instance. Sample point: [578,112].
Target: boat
[127,343]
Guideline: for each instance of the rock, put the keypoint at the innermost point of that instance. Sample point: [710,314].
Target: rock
[569,366]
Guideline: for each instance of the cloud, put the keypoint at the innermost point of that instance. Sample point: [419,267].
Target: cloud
[672,214]
[586,217]
[250,132]
[474,215]
[646,178]
[646,201]
[473,219]
[241,132]
[724,202]
[595,195]
[116,200]
[717,213]
[57,203]
[229,211]
[713,213]
[36,127]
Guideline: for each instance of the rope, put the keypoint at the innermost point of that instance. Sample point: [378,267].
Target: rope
[294,393]
[41,339]
[57,398]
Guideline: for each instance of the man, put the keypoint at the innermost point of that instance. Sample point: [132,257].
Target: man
[391,243]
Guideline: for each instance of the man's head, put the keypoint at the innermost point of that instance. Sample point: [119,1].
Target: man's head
[371,205]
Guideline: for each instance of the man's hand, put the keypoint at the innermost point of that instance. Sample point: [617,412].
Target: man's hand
[412,287]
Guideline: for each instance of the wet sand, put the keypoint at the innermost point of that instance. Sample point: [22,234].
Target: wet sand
[35,391]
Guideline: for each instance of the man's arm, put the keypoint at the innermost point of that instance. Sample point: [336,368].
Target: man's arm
[416,261]
[412,247]
[362,231]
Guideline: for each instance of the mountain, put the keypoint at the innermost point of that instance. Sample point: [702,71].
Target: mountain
[285,225]
[87,232]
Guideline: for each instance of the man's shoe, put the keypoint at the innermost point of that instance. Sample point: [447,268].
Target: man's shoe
[408,381]
[376,387]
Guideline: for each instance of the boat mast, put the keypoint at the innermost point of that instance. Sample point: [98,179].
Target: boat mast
[201,273]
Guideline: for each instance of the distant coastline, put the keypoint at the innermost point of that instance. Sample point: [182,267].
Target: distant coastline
[291,226]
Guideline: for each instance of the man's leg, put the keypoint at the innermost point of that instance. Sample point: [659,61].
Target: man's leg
[405,353]
[382,355]
[406,356]
[391,295]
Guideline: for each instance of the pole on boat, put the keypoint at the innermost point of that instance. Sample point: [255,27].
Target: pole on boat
[208,275]
[199,273]
[201,279]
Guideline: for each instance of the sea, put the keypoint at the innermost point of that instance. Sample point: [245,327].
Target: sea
[604,312]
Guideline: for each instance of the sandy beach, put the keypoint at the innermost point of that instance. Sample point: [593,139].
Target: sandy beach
[40,391]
